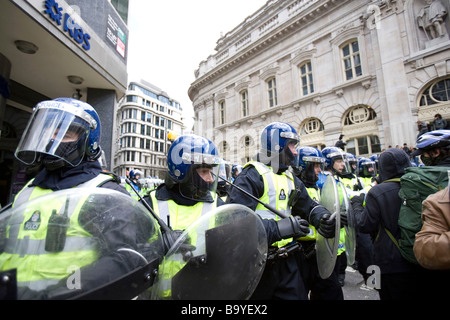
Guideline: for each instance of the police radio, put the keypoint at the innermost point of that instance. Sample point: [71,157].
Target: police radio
[56,230]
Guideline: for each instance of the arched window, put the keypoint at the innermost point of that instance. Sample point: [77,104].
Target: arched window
[437,92]
[359,114]
[312,126]
[363,141]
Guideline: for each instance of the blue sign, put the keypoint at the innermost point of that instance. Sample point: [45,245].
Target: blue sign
[70,26]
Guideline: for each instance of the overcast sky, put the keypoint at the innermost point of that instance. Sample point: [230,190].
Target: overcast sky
[168,39]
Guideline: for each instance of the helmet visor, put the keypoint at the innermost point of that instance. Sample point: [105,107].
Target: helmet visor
[369,169]
[54,132]
[340,163]
[201,183]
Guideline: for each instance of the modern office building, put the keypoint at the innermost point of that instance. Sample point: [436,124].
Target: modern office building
[366,69]
[58,48]
[148,120]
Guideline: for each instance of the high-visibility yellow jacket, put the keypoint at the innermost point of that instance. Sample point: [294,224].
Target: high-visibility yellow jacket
[277,188]
[26,236]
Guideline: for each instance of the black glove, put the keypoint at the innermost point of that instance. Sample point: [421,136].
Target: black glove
[357,201]
[327,226]
[293,227]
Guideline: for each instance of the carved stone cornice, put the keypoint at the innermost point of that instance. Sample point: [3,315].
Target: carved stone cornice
[312,10]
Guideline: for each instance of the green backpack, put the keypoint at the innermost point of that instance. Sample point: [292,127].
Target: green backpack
[416,185]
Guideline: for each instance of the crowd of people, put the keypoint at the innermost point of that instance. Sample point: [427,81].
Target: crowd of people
[282,185]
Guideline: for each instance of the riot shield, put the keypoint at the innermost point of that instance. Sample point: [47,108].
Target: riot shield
[326,248]
[86,243]
[221,256]
[350,226]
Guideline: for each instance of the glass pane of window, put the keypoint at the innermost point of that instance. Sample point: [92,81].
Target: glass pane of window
[362,145]
[439,91]
[304,81]
[305,90]
[348,64]
[375,144]
[346,50]
[349,74]
[355,46]
[351,146]
[357,60]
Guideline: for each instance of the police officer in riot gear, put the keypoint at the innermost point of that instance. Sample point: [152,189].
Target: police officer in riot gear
[78,227]
[269,181]
[135,183]
[190,184]
[309,164]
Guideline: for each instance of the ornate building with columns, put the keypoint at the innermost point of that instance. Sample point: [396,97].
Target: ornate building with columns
[366,69]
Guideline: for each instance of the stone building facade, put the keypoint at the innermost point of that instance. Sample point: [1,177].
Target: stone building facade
[366,69]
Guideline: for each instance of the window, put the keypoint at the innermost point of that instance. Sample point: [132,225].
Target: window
[247,141]
[131,155]
[306,78]
[244,103]
[351,60]
[132,99]
[437,92]
[224,149]
[359,114]
[366,145]
[222,112]
[272,90]
[312,126]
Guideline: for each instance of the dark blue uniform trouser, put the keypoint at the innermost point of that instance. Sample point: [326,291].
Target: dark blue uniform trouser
[281,280]
[320,289]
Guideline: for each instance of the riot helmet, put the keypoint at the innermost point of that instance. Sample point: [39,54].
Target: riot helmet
[352,161]
[366,168]
[278,145]
[374,158]
[135,174]
[428,143]
[224,177]
[336,161]
[309,163]
[193,165]
[60,132]
[236,169]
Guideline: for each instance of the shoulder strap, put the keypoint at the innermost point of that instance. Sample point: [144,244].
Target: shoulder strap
[392,180]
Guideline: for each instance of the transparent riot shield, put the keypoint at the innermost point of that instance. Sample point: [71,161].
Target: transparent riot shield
[83,243]
[326,248]
[350,226]
[221,256]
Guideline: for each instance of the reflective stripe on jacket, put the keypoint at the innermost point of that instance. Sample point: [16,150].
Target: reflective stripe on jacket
[27,233]
[179,217]
[277,188]
[312,235]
